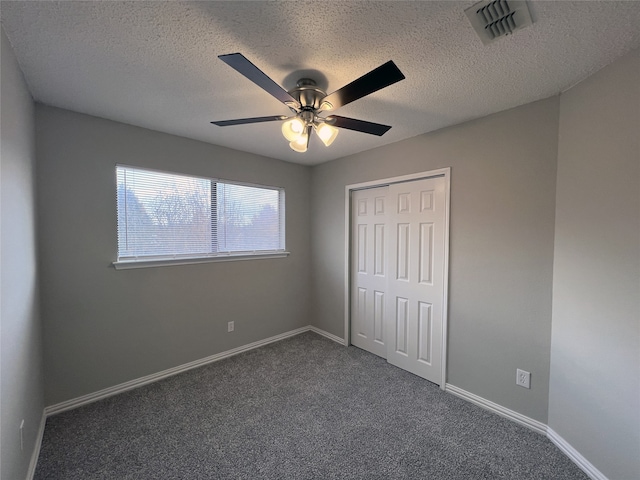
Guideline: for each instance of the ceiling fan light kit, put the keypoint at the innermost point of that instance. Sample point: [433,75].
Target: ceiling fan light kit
[296,129]
[306,101]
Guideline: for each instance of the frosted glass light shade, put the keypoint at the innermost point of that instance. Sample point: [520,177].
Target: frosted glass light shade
[327,133]
[292,129]
[297,147]
[300,143]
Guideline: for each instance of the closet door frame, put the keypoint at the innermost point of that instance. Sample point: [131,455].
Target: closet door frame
[442,172]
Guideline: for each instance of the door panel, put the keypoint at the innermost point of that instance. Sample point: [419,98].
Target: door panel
[402,314]
[416,288]
[425,334]
[425,243]
[369,252]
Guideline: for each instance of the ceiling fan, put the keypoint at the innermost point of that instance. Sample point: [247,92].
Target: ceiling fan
[307,101]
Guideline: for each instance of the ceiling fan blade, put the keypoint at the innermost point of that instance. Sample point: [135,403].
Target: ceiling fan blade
[358,125]
[376,79]
[242,121]
[239,62]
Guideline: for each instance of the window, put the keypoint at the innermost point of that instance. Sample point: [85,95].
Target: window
[169,218]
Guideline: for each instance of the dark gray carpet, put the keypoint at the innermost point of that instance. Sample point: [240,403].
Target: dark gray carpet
[302,408]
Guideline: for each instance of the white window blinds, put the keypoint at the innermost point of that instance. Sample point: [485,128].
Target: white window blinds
[164,215]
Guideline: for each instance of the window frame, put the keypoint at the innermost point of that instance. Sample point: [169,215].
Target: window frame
[189,259]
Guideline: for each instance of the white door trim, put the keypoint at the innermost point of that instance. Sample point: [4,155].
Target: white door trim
[442,172]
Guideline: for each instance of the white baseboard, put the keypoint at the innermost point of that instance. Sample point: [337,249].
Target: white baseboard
[36,448]
[154,377]
[330,336]
[534,425]
[576,457]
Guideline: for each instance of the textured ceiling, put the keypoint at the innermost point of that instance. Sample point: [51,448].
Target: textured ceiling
[154,64]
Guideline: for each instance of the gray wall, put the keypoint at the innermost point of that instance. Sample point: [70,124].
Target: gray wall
[501,244]
[594,399]
[22,378]
[103,327]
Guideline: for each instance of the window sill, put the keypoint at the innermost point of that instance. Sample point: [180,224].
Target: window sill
[167,262]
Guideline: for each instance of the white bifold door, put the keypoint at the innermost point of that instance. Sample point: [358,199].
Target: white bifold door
[398,274]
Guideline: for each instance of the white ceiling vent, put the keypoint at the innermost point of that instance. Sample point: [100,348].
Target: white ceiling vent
[498,18]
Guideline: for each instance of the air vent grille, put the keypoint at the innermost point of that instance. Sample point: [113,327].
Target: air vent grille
[498,18]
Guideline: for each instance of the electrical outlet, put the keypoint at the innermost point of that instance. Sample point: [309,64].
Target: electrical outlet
[523,378]
[230,327]
[21,436]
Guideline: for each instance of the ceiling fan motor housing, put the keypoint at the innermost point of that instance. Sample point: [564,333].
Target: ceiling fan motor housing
[308,94]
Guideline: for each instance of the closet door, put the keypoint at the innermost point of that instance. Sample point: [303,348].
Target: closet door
[369,269]
[415,284]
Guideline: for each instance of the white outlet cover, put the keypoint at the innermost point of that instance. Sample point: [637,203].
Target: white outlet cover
[523,378]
